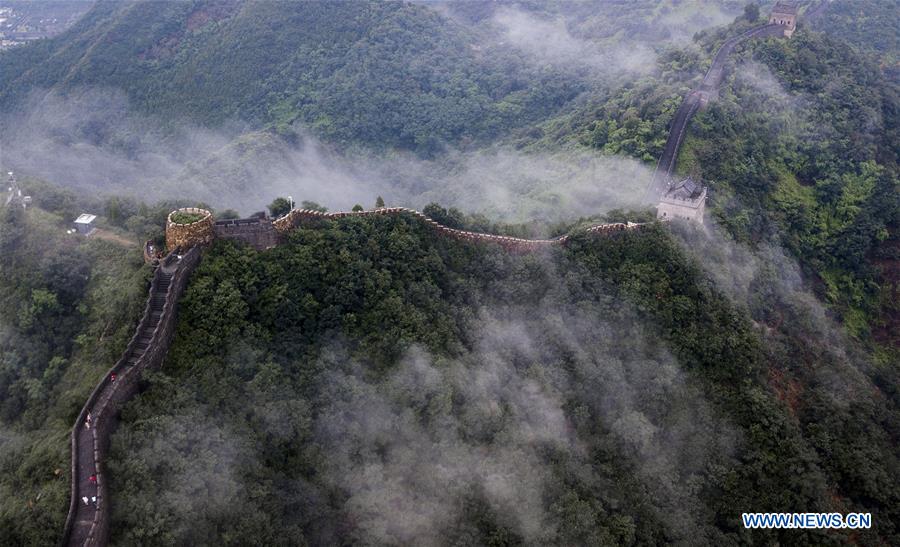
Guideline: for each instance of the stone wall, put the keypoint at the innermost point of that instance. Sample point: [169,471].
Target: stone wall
[257,232]
[186,236]
[107,398]
[512,244]
[104,404]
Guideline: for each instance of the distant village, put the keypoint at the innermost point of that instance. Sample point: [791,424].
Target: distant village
[22,22]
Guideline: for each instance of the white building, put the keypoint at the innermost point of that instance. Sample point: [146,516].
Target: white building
[684,200]
[84,223]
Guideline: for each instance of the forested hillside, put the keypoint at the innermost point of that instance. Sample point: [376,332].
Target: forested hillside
[387,74]
[799,149]
[68,305]
[870,25]
[368,383]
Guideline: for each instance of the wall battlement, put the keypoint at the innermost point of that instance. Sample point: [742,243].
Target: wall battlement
[264,233]
[512,244]
[257,232]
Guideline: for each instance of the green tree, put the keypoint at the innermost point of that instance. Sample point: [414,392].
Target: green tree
[12,229]
[451,218]
[379,202]
[357,208]
[312,205]
[751,12]
[279,207]
[40,310]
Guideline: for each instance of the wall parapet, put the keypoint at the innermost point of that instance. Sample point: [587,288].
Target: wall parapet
[258,232]
[513,244]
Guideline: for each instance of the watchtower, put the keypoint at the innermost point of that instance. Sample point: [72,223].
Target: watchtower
[685,200]
[784,14]
[187,227]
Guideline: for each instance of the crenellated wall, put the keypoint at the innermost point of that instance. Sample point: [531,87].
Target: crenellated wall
[512,244]
[187,235]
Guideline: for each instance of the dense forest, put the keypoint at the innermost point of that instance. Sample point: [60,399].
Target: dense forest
[799,150]
[387,74]
[368,382]
[68,306]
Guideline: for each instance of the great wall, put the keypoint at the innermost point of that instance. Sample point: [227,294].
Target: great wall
[87,522]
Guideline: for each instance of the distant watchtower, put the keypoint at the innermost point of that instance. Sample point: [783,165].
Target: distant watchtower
[784,14]
[685,200]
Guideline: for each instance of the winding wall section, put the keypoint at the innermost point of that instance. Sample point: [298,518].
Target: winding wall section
[694,100]
[88,523]
[512,244]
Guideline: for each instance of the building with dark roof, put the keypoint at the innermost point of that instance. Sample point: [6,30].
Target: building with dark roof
[685,199]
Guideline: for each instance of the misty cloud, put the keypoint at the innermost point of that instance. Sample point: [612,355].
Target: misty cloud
[92,141]
[549,41]
[407,447]
[682,21]
[750,276]
[196,462]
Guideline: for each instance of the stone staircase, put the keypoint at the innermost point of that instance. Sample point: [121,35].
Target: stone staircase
[87,522]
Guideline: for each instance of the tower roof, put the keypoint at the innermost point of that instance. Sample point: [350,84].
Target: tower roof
[687,188]
[785,8]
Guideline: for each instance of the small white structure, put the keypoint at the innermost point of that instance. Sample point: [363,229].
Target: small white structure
[684,200]
[84,223]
